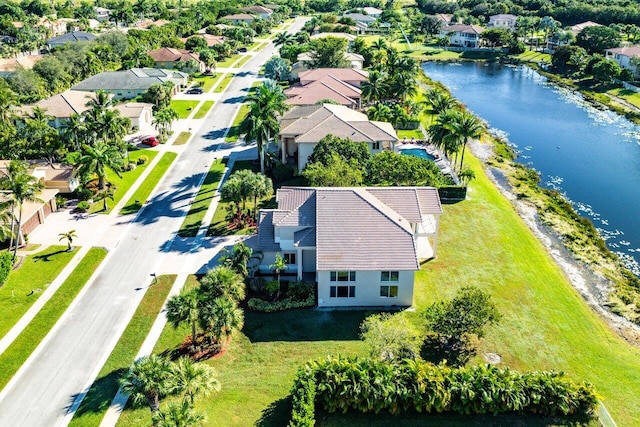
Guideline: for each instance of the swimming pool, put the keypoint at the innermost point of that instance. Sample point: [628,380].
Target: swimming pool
[417,152]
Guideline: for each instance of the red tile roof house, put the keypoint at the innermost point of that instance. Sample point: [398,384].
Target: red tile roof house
[328,87]
[623,56]
[303,127]
[209,38]
[362,245]
[261,11]
[171,58]
[353,76]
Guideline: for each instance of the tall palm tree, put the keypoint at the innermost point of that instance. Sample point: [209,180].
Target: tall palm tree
[185,307]
[379,112]
[278,266]
[284,39]
[375,88]
[441,133]
[466,126]
[178,414]
[23,187]
[147,380]
[102,101]
[7,102]
[438,101]
[163,119]
[261,187]
[191,379]
[73,129]
[97,159]
[220,318]
[68,236]
[223,281]
[238,258]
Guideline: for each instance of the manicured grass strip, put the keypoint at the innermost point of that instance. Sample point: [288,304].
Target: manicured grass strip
[146,187]
[192,221]
[103,390]
[203,110]
[414,133]
[182,138]
[183,107]
[207,82]
[628,95]
[16,354]
[234,131]
[224,83]
[242,61]
[228,62]
[35,272]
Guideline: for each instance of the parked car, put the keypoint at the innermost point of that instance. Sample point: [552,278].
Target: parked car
[242,49]
[151,141]
[195,91]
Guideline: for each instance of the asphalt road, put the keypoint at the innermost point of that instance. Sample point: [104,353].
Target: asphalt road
[69,358]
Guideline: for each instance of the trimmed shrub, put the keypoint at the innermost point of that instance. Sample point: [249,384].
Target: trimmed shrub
[142,160]
[83,206]
[369,385]
[6,264]
[130,167]
[257,304]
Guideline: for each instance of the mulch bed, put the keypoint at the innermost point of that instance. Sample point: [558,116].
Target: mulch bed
[205,349]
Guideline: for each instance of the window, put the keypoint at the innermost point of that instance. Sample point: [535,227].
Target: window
[342,291]
[290,258]
[388,292]
[343,276]
[375,145]
[389,276]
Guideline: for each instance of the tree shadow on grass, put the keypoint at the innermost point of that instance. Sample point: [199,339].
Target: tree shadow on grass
[47,257]
[304,325]
[277,413]
[100,395]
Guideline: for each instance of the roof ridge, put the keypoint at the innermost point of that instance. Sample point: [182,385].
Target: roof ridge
[64,98]
[384,209]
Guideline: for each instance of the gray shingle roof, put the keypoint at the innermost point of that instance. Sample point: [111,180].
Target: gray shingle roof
[133,79]
[266,238]
[410,202]
[72,37]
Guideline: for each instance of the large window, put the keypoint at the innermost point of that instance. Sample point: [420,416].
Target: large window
[290,258]
[388,291]
[342,291]
[389,276]
[343,276]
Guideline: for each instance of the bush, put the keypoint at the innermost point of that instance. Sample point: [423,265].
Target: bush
[258,304]
[369,385]
[282,173]
[299,290]
[83,206]
[6,264]
[82,193]
[142,160]
[130,166]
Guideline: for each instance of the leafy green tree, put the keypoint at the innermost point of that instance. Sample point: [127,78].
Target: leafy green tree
[596,39]
[334,172]
[344,147]
[68,236]
[195,43]
[185,308]
[390,337]
[496,37]
[569,58]
[392,169]
[159,95]
[223,281]
[606,70]
[95,160]
[191,379]
[328,52]
[277,68]
[147,380]
[457,322]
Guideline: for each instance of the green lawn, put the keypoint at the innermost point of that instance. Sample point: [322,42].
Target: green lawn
[182,138]
[532,56]
[198,209]
[146,187]
[546,324]
[104,389]
[415,133]
[16,354]
[125,182]
[224,83]
[203,110]
[207,82]
[628,95]
[228,62]
[234,131]
[183,107]
[243,61]
[37,271]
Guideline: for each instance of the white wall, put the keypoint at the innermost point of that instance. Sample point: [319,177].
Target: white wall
[304,152]
[367,290]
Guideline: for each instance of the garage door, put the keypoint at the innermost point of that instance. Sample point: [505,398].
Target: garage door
[31,224]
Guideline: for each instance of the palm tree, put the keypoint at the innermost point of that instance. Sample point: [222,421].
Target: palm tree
[23,187]
[237,258]
[185,307]
[164,118]
[375,88]
[178,414]
[7,101]
[147,380]
[104,195]
[438,101]
[68,236]
[278,266]
[466,126]
[259,186]
[101,102]
[220,318]
[191,379]
[97,159]
[223,281]
[73,129]
[441,134]
[379,112]
[284,39]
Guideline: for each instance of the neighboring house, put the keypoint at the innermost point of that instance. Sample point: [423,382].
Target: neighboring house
[353,76]
[372,11]
[54,27]
[146,23]
[62,106]
[503,20]
[140,113]
[463,35]
[575,29]
[54,176]
[360,18]
[305,58]
[168,57]
[102,13]
[72,37]
[303,127]
[445,18]
[624,56]
[128,84]
[209,38]
[261,11]
[240,17]
[9,65]
[328,87]
[362,245]
[349,37]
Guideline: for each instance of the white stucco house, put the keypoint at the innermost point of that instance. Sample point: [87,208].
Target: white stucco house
[362,245]
[624,57]
[462,35]
[303,127]
[503,20]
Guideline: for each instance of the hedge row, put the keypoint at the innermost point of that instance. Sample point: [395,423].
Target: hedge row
[368,385]
[258,304]
[6,264]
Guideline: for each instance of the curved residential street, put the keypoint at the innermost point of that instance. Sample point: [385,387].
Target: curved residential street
[70,357]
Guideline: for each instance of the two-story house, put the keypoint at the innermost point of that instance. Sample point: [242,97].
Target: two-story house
[462,35]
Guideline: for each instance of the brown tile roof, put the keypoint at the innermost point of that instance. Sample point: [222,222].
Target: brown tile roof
[209,38]
[11,64]
[239,16]
[630,51]
[581,26]
[327,87]
[463,28]
[169,54]
[344,74]
[257,9]
[132,110]
[64,104]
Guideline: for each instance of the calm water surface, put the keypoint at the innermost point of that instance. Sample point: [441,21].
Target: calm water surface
[591,156]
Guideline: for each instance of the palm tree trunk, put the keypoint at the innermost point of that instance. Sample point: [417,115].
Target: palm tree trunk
[154,402]
[15,249]
[464,146]
[13,225]
[193,335]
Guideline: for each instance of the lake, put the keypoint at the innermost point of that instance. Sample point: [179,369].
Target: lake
[591,156]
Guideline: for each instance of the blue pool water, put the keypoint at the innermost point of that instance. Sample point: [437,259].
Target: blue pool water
[417,152]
